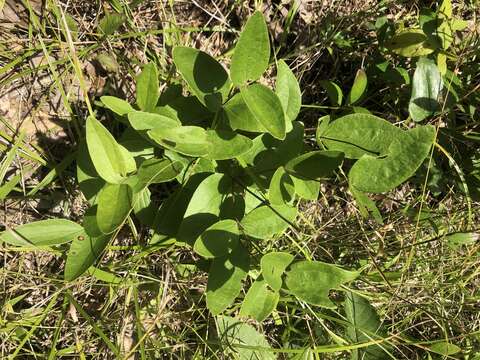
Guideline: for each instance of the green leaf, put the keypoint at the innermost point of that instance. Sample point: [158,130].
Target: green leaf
[140,120]
[107,62]
[243,340]
[225,279]
[266,107]
[187,140]
[288,91]
[445,9]
[206,77]
[252,52]
[359,134]
[143,207]
[306,189]
[218,240]
[42,233]
[405,155]
[105,153]
[410,43]
[260,301]
[281,190]
[273,267]
[311,281]
[118,106]
[82,254]
[239,117]
[147,88]
[88,179]
[445,348]
[315,164]
[265,221]
[456,240]
[334,92]
[110,23]
[170,215]
[358,88]
[204,207]
[365,326]
[114,205]
[155,171]
[426,89]
[227,144]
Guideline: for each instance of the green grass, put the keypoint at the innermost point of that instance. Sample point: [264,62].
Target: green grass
[148,302]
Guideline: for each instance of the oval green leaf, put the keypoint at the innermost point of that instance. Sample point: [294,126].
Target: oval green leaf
[118,106]
[82,254]
[227,144]
[225,279]
[205,76]
[187,140]
[140,120]
[252,52]
[155,171]
[265,221]
[105,153]
[42,233]
[410,43]
[288,91]
[239,117]
[218,240]
[267,109]
[311,281]
[147,88]
[281,190]
[334,92]
[259,301]
[114,205]
[426,89]
[358,88]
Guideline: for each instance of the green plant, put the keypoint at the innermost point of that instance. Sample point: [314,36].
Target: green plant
[237,156]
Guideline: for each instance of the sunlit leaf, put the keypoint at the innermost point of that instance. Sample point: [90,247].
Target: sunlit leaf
[411,43]
[114,205]
[118,106]
[140,120]
[288,91]
[311,281]
[239,117]
[334,92]
[365,326]
[147,88]
[265,221]
[404,156]
[358,88]
[426,88]
[281,190]
[252,52]
[105,153]
[220,239]
[188,140]
[42,233]
[359,134]
[266,108]
[243,340]
[259,301]
[273,267]
[206,77]
[227,144]
[225,279]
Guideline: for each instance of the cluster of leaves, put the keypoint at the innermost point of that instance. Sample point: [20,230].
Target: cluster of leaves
[236,152]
